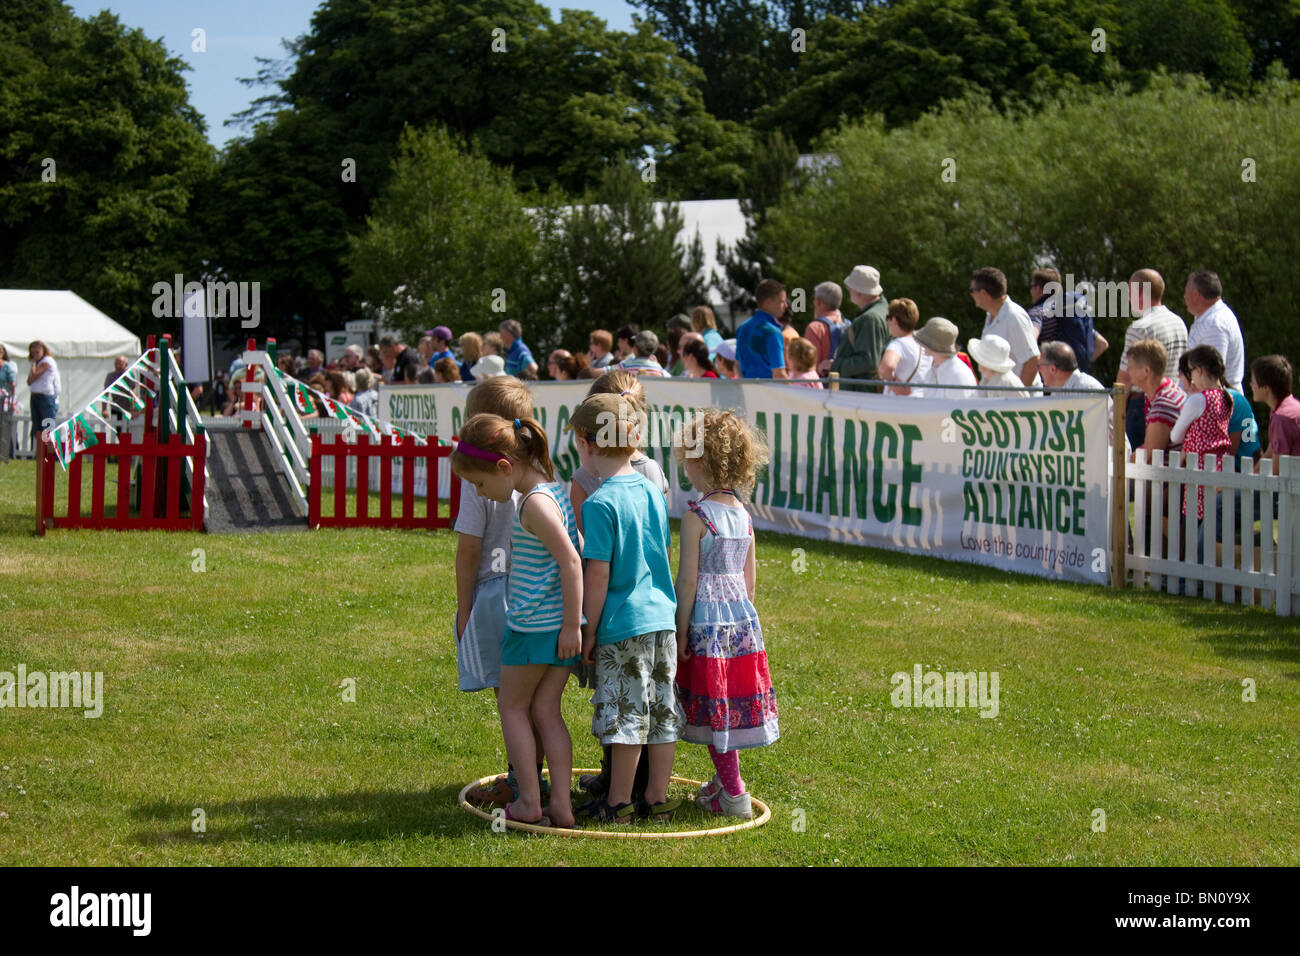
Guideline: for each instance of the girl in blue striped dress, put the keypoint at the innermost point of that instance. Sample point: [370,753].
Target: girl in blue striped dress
[544,619]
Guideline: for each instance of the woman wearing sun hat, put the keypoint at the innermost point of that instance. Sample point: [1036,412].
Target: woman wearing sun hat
[993,356]
[488,366]
[939,339]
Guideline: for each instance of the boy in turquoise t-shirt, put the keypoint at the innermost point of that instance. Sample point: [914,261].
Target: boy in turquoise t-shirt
[631,606]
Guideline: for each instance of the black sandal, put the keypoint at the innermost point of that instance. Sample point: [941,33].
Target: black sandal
[621,814]
[659,812]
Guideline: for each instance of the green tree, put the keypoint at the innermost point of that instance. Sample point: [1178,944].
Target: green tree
[451,233]
[1204,37]
[745,48]
[1272,29]
[747,262]
[101,155]
[616,258]
[279,214]
[902,59]
[557,103]
[1175,177]
[907,57]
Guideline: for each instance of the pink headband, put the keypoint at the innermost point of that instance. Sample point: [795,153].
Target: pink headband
[468,449]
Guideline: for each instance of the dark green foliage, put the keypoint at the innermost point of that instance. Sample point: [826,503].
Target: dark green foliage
[614,260]
[747,262]
[109,107]
[1101,185]
[450,230]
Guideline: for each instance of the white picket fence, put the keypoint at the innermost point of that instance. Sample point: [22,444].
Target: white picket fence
[20,436]
[1250,555]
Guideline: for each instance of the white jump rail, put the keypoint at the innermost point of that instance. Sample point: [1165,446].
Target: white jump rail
[186,424]
[282,424]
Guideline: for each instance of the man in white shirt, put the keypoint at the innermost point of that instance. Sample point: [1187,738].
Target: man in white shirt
[1059,368]
[938,338]
[988,287]
[1215,324]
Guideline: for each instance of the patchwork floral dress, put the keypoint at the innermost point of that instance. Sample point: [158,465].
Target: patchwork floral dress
[725,687]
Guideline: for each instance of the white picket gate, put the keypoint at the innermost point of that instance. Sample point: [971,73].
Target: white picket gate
[1249,556]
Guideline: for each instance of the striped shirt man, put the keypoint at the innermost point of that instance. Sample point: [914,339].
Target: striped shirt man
[1165,327]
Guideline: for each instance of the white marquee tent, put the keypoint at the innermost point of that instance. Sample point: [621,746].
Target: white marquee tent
[82,340]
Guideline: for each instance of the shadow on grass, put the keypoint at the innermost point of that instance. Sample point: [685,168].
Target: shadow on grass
[1244,633]
[16,524]
[1233,631]
[359,817]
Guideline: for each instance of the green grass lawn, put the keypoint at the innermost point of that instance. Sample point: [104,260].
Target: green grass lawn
[223,693]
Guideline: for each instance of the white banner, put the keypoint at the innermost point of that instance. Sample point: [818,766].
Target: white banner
[1014,483]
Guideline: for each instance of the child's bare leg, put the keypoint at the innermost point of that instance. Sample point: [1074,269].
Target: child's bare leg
[518,684]
[661,768]
[623,763]
[537,737]
[549,721]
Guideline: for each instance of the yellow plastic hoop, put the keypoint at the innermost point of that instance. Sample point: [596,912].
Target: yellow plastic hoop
[758,821]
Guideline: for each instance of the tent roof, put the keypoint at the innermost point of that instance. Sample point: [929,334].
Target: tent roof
[67,323]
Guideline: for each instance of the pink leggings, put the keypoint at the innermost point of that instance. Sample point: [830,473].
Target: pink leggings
[728,767]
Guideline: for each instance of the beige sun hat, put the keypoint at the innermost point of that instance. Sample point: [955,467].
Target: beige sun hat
[865,280]
[939,335]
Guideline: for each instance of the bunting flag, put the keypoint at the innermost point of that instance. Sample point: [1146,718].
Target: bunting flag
[77,434]
[364,422]
[299,394]
[304,399]
[72,436]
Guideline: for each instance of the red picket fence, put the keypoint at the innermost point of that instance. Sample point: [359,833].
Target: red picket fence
[160,501]
[386,451]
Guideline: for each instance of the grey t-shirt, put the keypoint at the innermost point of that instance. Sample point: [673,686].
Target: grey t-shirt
[489,520]
[643,465]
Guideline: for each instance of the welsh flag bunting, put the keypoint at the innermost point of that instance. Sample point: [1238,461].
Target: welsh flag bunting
[302,397]
[333,408]
[300,394]
[72,436]
[365,422]
[149,371]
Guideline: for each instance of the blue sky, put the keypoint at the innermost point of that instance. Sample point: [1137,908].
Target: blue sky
[237,31]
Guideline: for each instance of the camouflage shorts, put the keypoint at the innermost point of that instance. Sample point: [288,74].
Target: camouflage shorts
[635,700]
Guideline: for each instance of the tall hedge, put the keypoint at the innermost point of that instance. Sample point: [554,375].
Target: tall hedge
[1174,177]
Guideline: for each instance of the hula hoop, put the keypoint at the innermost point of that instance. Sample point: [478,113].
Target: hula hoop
[758,820]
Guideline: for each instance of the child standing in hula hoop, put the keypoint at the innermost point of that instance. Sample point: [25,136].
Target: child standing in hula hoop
[723,680]
[482,567]
[586,482]
[543,635]
[630,612]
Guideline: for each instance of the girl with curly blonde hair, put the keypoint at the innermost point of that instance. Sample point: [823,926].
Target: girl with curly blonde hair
[723,680]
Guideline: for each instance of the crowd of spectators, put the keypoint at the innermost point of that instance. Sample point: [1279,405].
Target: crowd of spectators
[1051,345]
